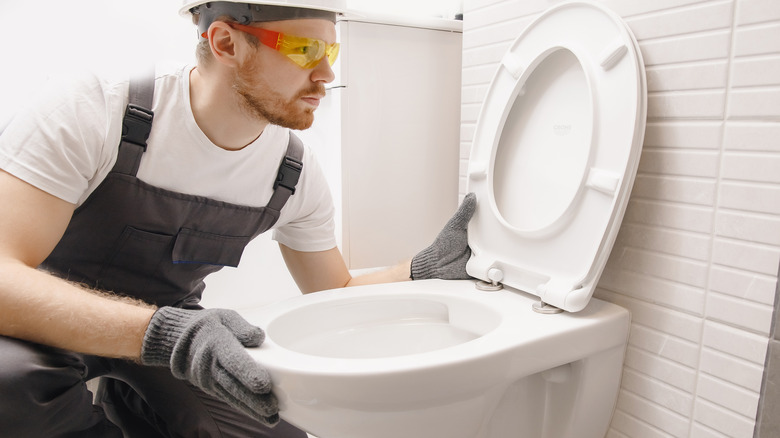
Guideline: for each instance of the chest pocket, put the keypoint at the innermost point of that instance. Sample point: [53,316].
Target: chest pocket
[198,247]
[167,269]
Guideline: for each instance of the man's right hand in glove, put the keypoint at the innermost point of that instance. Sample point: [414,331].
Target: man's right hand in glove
[206,348]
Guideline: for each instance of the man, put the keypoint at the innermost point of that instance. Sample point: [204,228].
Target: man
[103,248]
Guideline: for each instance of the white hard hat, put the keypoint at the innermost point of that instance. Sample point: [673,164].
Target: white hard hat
[248,11]
[337,6]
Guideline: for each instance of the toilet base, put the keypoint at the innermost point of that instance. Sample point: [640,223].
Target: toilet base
[546,404]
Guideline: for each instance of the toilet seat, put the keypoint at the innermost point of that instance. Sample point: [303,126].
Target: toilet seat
[555,153]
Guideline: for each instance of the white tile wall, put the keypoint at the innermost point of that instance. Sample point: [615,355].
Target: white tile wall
[697,256]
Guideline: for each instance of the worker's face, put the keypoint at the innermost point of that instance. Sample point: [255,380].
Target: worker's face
[276,89]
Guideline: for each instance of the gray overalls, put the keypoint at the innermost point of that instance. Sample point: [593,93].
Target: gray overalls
[156,245]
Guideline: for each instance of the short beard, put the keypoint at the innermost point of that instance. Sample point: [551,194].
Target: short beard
[262,101]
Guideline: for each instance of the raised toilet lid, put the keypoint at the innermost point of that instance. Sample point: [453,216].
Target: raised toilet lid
[555,153]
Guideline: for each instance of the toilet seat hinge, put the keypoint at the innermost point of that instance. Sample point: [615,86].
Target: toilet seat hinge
[545,309]
[489,286]
[495,275]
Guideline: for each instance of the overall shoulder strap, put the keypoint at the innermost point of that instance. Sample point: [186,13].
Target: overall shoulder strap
[137,123]
[289,172]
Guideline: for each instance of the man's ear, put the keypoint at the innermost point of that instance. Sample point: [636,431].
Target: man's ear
[222,40]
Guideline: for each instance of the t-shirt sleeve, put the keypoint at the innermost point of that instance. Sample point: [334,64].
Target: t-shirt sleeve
[56,143]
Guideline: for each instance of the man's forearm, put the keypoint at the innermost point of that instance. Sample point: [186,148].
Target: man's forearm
[39,307]
[399,272]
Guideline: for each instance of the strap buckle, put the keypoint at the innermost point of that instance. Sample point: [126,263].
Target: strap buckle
[137,125]
[289,172]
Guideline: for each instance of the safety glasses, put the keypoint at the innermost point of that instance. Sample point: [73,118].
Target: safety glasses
[306,52]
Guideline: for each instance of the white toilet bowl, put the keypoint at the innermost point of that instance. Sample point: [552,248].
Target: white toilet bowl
[441,359]
[555,154]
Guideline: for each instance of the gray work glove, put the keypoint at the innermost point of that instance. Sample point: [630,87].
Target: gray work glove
[206,348]
[446,258]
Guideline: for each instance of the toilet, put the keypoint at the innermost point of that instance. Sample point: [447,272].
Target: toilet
[523,349]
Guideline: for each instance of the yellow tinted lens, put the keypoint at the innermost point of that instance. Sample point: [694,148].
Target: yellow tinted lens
[307,52]
[332,52]
[302,51]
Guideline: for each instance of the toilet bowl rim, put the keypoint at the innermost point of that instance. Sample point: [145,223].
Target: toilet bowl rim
[522,327]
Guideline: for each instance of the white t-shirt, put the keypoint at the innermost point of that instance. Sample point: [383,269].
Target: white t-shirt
[67,142]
